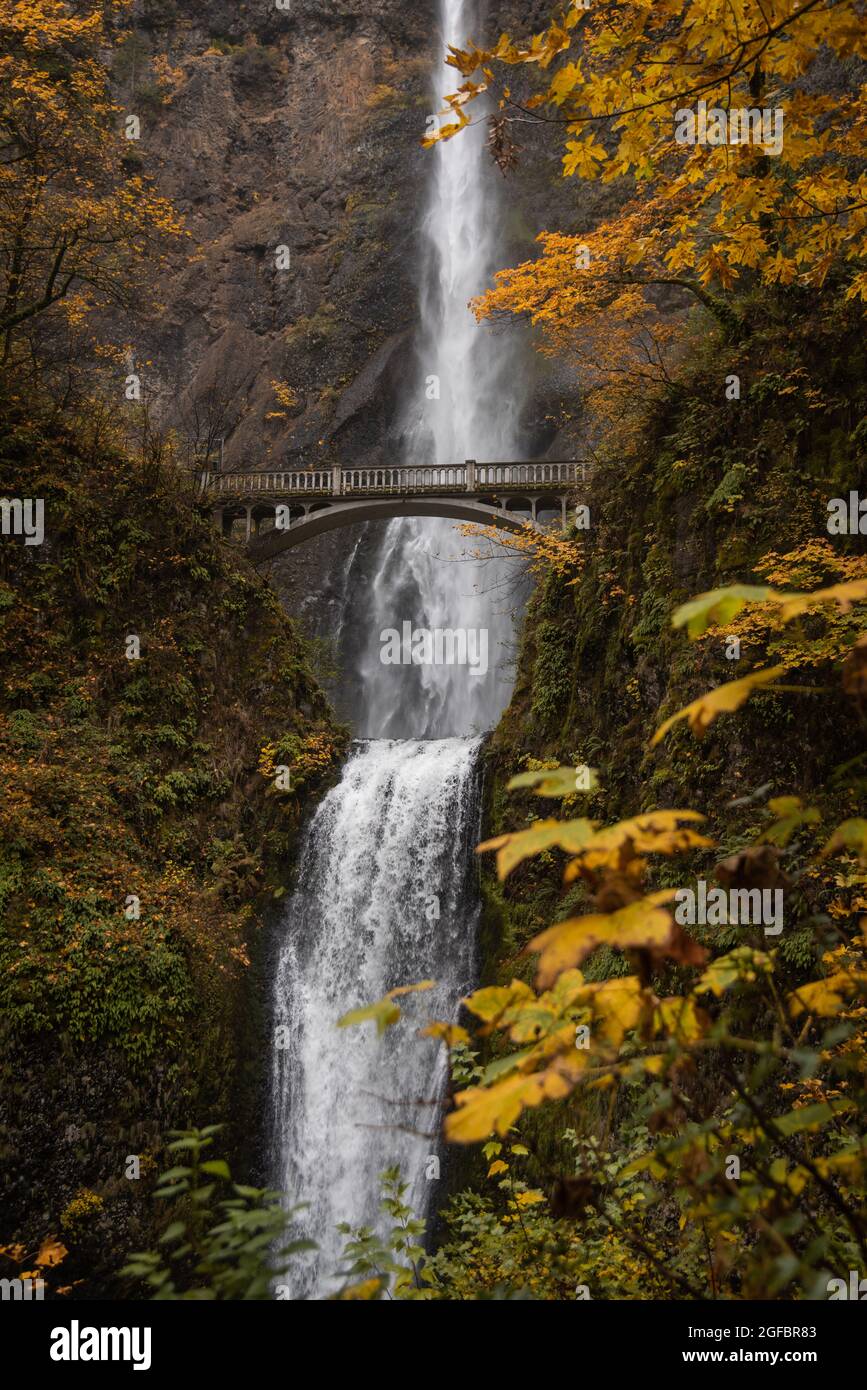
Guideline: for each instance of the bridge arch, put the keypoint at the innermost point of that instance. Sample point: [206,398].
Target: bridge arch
[330,517]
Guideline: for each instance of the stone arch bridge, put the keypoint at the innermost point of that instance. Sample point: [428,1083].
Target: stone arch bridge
[271,512]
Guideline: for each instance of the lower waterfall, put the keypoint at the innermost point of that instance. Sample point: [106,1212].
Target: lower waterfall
[386,896]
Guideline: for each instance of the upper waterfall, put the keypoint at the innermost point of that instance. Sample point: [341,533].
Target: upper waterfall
[480,376]
[464,402]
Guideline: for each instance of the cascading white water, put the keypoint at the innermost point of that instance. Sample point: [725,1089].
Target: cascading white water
[391,845]
[423,575]
[385,898]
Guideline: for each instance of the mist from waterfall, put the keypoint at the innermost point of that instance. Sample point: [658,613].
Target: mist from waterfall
[386,893]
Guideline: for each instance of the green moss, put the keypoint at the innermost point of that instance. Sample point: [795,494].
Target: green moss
[552,671]
[119,772]
[712,486]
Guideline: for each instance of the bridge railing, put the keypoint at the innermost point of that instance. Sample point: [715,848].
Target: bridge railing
[404,479]
[317,480]
[557,473]
[344,482]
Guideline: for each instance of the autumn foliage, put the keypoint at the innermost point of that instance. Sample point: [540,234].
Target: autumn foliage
[79,227]
[613,82]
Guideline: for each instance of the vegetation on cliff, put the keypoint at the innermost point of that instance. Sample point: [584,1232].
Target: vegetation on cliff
[149,679]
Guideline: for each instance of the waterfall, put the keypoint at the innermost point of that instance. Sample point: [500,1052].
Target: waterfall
[385,898]
[386,894]
[422,574]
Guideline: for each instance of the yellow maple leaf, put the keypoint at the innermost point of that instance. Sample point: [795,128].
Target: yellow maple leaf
[449,1033]
[725,699]
[844,595]
[616,1007]
[494,1001]
[653,832]
[567,944]
[366,1291]
[564,82]
[513,848]
[680,1017]
[826,997]
[529,1199]
[484,1109]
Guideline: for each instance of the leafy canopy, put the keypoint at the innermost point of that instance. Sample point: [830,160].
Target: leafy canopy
[609,82]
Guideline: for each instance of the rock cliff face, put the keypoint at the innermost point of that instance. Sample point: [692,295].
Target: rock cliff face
[299,129]
[294,129]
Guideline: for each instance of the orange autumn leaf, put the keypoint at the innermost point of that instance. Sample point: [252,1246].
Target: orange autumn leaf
[51,1252]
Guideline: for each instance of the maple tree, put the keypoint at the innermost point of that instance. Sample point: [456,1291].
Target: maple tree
[77,226]
[546,552]
[707,219]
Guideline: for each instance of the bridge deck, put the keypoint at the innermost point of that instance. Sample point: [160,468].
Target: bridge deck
[477,479]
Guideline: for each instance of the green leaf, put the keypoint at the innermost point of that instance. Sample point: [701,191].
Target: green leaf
[791,814]
[558,781]
[717,607]
[219,1167]
[501,1066]
[173,1232]
[849,835]
[384,1012]
[173,1191]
